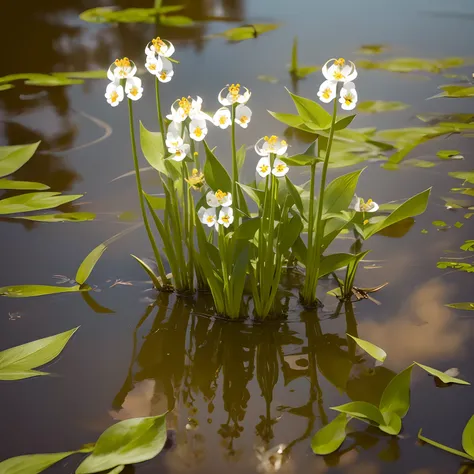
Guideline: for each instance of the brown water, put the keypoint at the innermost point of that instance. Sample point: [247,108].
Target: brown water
[230,387]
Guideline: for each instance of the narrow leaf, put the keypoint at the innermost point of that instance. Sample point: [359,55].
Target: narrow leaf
[31,463]
[445,378]
[22,185]
[444,448]
[27,291]
[88,264]
[371,349]
[151,274]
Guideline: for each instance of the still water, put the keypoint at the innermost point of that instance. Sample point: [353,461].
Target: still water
[231,388]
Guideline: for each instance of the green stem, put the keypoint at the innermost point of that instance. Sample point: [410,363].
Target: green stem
[141,199]
[235,169]
[160,115]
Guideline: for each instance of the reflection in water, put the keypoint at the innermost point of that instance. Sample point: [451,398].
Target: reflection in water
[204,371]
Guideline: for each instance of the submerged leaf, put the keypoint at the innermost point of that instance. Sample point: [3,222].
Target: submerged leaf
[371,349]
[330,437]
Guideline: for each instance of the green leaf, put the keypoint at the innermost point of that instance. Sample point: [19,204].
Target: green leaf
[88,264]
[31,463]
[340,192]
[14,157]
[376,106]
[392,425]
[295,194]
[443,447]
[301,160]
[330,437]
[246,32]
[449,154]
[467,176]
[455,91]
[176,20]
[241,153]
[343,122]
[266,78]
[290,232]
[247,229]
[404,65]
[34,202]
[412,207]
[23,185]
[156,202]
[294,56]
[152,148]
[5,87]
[239,274]
[27,291]
[333,262]
[371,349]
[439,223]
[98,74]
[32,354]
[127,442]
[396,396]
[420,163]
[468,437]
[441,375]
[463,306]
[150,272]
[372,49]
[291,120]
[304,71]
[363,410]
[64,217]
[312,112]
[216,175]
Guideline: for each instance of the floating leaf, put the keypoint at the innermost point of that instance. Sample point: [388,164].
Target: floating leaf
[376,106]
[363,410]
[88,264]
[28,291]
[127,442]
[455,91]
[467,176]
[14,157]
[463,267]
[371,349]
[396,396]
[17,361]
[458,225]
[420,163]
[246,32]
[5,87]
[176,20]
[22,185]
[31,463]
[445,378]
[439,223]
[463,306]
[98,74]
[34,202]
[330,437]
[64,217]
[404,65]
[449,155]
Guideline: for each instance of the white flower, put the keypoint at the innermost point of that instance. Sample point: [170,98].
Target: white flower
[173,141]
[159,47]
[348,97]
[197,130]
[181,109]
[207,216]
[222,118]
[359,205]
[231,94]
[327,91]
[133,88]
[273,144]
[114,94]
[154,65]
[121,69]
[280,168]
[226,216]
[219,198]
[339,71]
[166,72]
[263,166]
[243,115]
[179,153]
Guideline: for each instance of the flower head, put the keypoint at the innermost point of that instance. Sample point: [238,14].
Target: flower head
[340,70]
[153,64]
[121,69]
[133,88]
[159,47]
[180,152]
[280,168]
[222,118]
[219,198]
[183,108]
[327,91]
[208,216]
[267,145]
[114,94]
[359,205]
[232,94]
[226,216]
[263,166]
[198,130]
[196,180]
[348,96]
[243,115]
[166,72]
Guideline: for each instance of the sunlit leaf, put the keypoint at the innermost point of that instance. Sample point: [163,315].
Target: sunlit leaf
[412,64]
[5,87]
[246,32]
[439,223]
[301,160]
[22,185]
[31,463]
[461,266]
[339,193]
[465,191]
[34,202]
[449,155]
[330,437]
[152,148]
[88,264]
[468,437]
[371,349]
[444,447]
[127,442]
[97,74]
[31,355]
[216,175]
[156,202]
[361,410]
[445,378]
[175,20]
[64,217]
[304,71]
[463,306]
[312,113]
[396,396]
[331,263]
[392,425]
[375,106]
[247,229]
[14,157]
[420,163]
[28,291]
[467,176]
[455,91]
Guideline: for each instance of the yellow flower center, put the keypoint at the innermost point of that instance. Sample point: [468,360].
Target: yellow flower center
[244,119]
[366,206]
[185,105]
[280,168]
[178,153]
[366,221]
[225,218]
[195,172]
[197,132]
[163,75]
[327,93]
[222,119]
[271,140]
[158,43]
[234,91]
[124,62]
[114,96]
[220,195]
[340,62]
[152,67]
[196,180]
[196,153]
[348,99]
[338,76]
[134,91]
[264,168]
[210,219]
